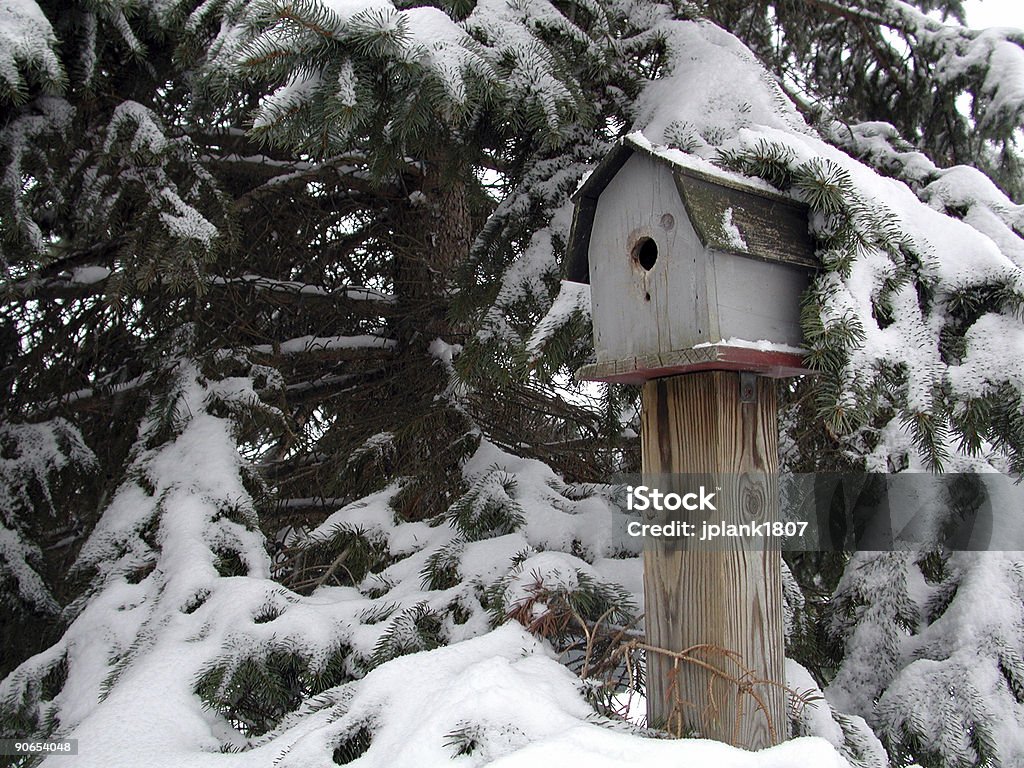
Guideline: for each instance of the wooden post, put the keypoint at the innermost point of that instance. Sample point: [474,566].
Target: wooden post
[728,598]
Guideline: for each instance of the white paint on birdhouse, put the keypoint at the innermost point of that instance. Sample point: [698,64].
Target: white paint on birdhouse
[690,268]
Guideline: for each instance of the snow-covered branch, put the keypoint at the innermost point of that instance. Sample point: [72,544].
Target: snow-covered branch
[325,345]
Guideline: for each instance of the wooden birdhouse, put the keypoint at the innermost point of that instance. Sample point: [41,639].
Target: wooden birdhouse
[691,268]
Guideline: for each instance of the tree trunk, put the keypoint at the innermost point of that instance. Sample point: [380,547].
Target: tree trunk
[432,234]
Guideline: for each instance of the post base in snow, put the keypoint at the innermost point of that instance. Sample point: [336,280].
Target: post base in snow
[716,614]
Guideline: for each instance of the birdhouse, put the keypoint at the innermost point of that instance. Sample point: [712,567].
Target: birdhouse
[691,268]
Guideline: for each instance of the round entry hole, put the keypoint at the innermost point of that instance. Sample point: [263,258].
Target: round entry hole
[645,253]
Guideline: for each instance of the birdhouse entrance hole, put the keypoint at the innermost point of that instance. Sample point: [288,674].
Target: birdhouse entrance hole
[645,253]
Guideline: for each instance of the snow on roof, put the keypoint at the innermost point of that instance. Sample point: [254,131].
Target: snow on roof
[687,161]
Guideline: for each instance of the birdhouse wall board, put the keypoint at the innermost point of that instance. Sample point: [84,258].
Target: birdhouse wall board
[645,301]
[755,299]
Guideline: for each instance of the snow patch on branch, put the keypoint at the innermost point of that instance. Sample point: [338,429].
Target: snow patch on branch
[27,47]
[185,222]
[288,98]
[716,87]
[32,456]
[994,355]
[323,343]
[146,132]
[572,299]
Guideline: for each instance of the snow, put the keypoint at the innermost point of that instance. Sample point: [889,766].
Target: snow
[352,293]
[697,163]
[503,686]
[371,514]
[573,298]
[378,444]
[27,41]
[527,271]
[185,222]
[344,11]
[424,36]
[761,345]
[31,455]
[554,570]
[1001,60]
[503,690]
[447,53]
[995,354]
[815,715]
[550,183]
[89,275]
[956,188]
[289,97]
[441,46]
[444,352]
[967,649]
[552,521]
[53,118]
[421,708]
[732,233]
[17,554]
[514,54]
[716,85]
[146,133]
[347,85]
[315,343]
[956,253]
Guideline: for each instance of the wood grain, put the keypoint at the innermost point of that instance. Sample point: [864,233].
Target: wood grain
[727,599]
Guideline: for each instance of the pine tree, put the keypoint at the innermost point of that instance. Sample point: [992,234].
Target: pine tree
[283,353]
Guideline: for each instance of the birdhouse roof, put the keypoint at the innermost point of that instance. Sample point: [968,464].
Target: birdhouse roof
[729,212]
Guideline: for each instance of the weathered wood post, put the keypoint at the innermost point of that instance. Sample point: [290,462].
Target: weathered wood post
[724,597]
[696,280]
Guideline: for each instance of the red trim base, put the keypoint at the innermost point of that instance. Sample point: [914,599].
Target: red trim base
[715,357]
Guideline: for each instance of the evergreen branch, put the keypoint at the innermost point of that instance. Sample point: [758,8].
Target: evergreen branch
[287,13]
